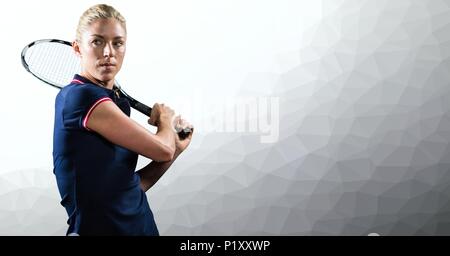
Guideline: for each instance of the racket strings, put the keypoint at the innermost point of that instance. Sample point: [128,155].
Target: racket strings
[53,62]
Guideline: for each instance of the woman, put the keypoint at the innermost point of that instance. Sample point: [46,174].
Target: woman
[96,144]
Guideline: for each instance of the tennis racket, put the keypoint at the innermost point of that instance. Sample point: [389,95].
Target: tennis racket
[54,62]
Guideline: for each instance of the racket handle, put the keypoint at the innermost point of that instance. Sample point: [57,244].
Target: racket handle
[144,109]
[183,134]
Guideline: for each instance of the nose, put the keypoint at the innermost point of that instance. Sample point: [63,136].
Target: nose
[108,51]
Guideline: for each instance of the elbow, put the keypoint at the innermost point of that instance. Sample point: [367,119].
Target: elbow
[160,151]
[166,154]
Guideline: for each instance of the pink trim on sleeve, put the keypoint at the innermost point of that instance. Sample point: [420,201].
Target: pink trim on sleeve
[85,120]
[76,81]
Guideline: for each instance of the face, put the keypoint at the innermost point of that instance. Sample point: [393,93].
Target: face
[102,49]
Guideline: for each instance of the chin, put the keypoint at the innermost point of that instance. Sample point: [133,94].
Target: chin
[106,77]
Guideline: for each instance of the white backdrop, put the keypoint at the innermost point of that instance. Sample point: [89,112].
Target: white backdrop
[361,87]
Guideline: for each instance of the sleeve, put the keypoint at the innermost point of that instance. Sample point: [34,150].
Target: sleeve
[79,103]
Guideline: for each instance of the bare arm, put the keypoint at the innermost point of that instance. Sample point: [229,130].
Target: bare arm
[151,173]
[110,122]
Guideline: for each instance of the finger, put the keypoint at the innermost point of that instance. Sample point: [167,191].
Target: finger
[153,118]
[186,124]
[181,122]
[176,122]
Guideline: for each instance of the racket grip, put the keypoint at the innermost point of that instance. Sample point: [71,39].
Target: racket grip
[183,134]
[144,109]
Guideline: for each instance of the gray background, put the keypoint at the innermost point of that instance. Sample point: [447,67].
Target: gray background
[363,146]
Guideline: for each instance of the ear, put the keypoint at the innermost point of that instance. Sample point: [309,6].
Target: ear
[76,48]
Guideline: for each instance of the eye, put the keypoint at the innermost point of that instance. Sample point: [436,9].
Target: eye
[119,43]
[97,42]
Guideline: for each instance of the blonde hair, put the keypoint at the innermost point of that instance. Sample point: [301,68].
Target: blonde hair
[99,11]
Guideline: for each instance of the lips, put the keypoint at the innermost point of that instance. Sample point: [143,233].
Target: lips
[107,64]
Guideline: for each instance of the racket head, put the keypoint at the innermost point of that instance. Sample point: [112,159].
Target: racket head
[52,61]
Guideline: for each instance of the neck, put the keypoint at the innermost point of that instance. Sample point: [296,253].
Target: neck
[106,84]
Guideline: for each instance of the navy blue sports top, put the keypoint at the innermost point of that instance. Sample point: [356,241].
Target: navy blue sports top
[96,178]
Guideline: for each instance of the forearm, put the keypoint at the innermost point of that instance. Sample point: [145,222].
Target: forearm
[167,137]
[151,173]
